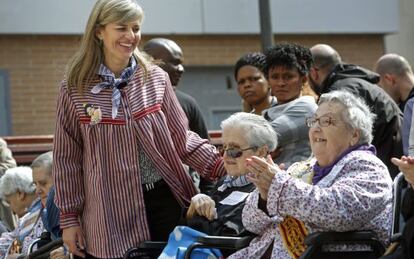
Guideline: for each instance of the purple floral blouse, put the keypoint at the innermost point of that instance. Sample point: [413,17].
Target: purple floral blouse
[355,195]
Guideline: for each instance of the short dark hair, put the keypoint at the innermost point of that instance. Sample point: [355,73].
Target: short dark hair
[255,59]
[289,55]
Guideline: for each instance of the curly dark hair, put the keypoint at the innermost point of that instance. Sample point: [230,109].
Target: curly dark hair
[255,59]
[289,55]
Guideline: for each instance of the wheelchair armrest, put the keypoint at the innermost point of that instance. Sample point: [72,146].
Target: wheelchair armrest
[316,240]
[319,238]
[146,249]
[46,248]
[152,245]
[224,242]
[219,242]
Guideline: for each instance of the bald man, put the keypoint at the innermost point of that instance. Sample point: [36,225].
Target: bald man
[171,57]
[397,79]
[329,73]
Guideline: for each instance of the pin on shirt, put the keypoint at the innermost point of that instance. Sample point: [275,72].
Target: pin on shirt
[93,112]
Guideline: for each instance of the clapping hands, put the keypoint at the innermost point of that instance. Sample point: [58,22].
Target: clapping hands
[406,165]
[261,173]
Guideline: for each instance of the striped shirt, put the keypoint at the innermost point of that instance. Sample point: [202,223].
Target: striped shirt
[96,166]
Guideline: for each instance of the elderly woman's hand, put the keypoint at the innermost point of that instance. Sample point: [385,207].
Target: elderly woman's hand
[406,165]
[58,253]
[202,205]
[261,173]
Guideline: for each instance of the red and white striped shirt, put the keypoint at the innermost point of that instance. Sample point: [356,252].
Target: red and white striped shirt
[96,167]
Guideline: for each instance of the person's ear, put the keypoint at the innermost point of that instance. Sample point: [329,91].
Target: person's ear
[391,79]
[21,195]
[263,151]
[304,79]
[313,73]
[98,33]
[356,134]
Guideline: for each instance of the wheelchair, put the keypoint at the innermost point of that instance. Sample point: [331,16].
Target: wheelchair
[41,247]
[315,241]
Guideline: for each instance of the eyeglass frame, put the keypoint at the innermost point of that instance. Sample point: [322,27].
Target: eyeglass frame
[239,153]
[311,121]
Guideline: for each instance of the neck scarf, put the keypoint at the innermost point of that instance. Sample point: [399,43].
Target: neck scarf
[321,172]
[109,81]
[231,181]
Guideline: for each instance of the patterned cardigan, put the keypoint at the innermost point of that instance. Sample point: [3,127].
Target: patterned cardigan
[355,195]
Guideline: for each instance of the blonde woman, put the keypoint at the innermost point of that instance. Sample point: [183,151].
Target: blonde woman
[120,142]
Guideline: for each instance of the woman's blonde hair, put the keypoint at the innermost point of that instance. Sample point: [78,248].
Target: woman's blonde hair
[82,68]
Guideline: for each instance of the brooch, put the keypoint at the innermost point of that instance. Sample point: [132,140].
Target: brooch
[93,112]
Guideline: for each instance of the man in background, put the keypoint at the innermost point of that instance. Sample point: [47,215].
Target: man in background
[397,79]
[171,57]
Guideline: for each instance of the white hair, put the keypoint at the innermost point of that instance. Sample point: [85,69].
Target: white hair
[356,113]
[257,130]
[18,179]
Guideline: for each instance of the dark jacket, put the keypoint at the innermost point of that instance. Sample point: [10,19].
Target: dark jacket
[405,248]
[192,111]
[229,217]
[386,131]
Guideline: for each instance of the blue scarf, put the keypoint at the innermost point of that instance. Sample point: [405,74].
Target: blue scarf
[321,172]
[231,181]
[109,81]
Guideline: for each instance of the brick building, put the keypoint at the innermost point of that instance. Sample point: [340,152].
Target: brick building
[212,33]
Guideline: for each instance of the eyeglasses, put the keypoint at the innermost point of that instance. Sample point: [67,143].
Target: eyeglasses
[236,152]
[323,121]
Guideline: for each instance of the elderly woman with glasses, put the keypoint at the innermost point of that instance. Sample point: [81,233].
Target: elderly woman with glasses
[345,187]
[219,213]
[18,191]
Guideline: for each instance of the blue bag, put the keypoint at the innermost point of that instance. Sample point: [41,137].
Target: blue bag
[180,239]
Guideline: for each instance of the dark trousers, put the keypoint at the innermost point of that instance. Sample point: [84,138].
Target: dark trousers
[163,211]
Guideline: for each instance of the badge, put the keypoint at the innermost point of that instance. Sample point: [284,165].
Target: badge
[93,112]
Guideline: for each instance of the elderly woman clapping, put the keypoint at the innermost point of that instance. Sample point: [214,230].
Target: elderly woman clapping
[344,188]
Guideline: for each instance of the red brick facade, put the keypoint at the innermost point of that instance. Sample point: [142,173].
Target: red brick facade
[36,65]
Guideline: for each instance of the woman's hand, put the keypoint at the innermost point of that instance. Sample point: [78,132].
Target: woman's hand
[12,256]
[406,165]
[74,240]
[202,205]
[261,173]
[58,253]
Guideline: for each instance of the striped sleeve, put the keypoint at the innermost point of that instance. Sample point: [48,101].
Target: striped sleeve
[193,150]
[67,164]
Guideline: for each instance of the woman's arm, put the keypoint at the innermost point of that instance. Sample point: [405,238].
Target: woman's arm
[254,219]
[193,150]
[67,161]
[67,171]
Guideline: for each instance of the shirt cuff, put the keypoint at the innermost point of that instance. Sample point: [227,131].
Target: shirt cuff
[69,220]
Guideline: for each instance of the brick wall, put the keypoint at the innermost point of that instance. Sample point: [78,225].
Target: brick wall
[36,65]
